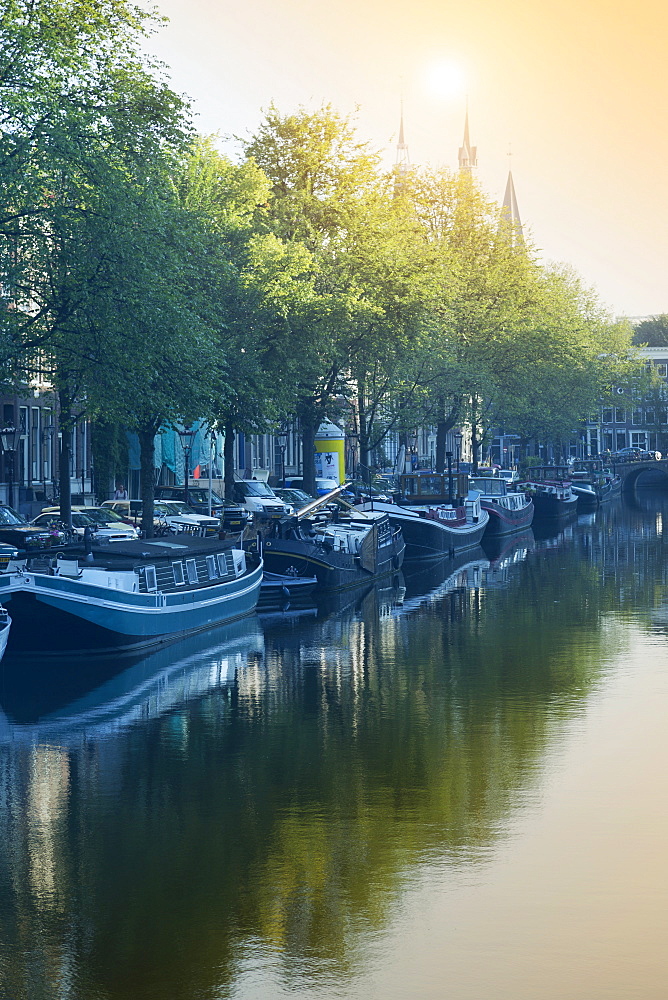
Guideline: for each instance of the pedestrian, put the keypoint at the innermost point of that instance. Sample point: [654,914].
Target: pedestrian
[121,492]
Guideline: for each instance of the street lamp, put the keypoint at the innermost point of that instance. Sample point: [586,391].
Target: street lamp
[451,491]
[458,445]
[187,438]
[282,438]
[9,438]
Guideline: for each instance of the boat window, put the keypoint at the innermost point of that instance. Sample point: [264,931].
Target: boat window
[489,486]
[410,486]
[212,569]
[177,569]
[191,570]
[151,578]
[222,565]
[431,486]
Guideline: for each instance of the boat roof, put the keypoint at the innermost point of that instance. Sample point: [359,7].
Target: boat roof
[127,555]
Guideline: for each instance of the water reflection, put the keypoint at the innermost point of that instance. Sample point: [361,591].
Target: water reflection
[275,786]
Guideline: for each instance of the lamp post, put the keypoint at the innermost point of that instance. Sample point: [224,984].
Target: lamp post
[187,437]
[458,445]
[9,438]
[282,438]
[451,490]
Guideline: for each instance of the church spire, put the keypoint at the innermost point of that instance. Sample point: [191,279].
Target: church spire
[403,161]
[510,212]
[468,154]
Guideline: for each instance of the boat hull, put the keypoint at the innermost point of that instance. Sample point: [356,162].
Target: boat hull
[428,538]
[554,508]
[505,521]
[334,570]
[52,614]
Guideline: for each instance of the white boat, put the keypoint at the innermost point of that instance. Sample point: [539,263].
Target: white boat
[128,595]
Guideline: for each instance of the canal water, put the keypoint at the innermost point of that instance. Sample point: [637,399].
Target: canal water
[454,786]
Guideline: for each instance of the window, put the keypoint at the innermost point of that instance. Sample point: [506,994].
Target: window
[191,570]
[177,570]
[639,439]
[663,416]
[606,417]
[637,418]
[431,486]
[222,565]
[47,432]
[34,444]
[24,470]
[650,417]
[620,415]
[212,569]
[662,370]
[621,440]
[151,578]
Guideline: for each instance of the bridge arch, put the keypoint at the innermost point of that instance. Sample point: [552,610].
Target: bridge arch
[630,473]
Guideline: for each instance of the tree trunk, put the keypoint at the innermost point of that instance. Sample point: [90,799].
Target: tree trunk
[363,433]
[66,422]
[309,422]
[475,443]
[228,461]
[146,436]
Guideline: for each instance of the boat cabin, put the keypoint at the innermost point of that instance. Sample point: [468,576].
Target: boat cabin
[433,487]
[489,486]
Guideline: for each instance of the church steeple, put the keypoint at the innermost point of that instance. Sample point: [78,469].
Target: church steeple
[509,210]
[403,161]
[468,154]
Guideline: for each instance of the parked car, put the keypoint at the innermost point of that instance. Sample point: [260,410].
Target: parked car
[627,455]
[16,531]
[259,498]
[103,516]
[322,485]
[510,475]
[116,532]
[362,492]
[233,515]
[168,512]
[294,497]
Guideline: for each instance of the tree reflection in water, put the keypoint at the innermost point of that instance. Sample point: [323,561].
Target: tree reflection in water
[276,788]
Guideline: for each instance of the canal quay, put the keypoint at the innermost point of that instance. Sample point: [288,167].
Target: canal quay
[452,786]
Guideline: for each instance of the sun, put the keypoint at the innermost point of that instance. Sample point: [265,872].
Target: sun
[445,79]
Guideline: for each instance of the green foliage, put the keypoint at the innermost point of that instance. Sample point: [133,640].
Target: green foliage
[653,331]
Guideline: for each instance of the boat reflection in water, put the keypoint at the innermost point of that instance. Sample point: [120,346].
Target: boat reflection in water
[253,815]
[74,699]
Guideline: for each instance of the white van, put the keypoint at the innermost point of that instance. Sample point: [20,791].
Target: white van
[260,499]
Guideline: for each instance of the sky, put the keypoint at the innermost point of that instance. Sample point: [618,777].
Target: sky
[572,96]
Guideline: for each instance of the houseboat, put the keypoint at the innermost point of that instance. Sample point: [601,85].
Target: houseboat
[347,548]
[128,595]
[510,511]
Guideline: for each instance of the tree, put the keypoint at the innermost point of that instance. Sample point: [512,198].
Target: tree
[320,174]
[653,331]
[267,281]
[573,351]
[482,285]
[85,121]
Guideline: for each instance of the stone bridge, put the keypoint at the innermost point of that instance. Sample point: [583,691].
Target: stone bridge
[653,471]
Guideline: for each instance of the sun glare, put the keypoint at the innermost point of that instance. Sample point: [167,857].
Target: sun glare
[444,79]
